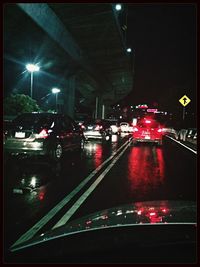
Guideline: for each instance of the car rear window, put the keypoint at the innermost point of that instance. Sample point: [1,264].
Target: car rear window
[88,122]
[152,124]
[34,120]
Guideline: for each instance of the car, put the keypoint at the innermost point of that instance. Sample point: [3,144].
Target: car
[138,232]
[124,127]
[96,129]
[148,130]
[131,128]
[43,134]
[113,124]
[7,124]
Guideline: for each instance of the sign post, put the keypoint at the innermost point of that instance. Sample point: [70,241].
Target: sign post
[184,102]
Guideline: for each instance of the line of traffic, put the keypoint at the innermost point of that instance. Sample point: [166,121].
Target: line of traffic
[44,220]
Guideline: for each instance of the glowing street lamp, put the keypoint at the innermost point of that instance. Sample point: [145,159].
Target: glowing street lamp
[118,7]
[56,91]
[32,68]
[128,50]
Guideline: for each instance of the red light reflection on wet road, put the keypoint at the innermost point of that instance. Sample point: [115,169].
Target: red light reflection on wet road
[146,170]
[98,156]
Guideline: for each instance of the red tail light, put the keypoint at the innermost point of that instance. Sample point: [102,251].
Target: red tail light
[147,121]
[98,127]
[135,129]
[160,130]
[43,134]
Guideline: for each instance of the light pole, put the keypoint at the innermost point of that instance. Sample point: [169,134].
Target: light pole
[32,68]
[118,7]
[56,91]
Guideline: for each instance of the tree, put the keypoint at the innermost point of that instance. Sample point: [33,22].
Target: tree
[19,103]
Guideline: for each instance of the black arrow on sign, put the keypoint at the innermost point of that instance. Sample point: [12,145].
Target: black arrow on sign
[185,100]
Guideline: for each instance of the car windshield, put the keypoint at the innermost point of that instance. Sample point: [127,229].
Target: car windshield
[99,132]
[111,122]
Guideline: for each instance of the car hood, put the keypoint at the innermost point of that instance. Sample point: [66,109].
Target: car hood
[134,214]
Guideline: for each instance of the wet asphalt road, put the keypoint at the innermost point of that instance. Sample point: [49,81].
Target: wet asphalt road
[138,173]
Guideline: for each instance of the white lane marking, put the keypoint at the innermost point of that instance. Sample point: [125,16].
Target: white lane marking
[195,152]
[44,220]
[85,195]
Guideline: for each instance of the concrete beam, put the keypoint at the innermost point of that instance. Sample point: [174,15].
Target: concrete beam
[69,96]
[45,17]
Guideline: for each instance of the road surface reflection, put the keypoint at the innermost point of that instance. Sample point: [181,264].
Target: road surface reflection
[146,170]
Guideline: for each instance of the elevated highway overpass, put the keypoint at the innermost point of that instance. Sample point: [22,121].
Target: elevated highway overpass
[79,45]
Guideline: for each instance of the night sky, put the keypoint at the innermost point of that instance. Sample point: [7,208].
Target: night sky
[164,39]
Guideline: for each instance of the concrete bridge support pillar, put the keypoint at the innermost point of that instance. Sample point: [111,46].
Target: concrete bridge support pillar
[69,97]
[100,109]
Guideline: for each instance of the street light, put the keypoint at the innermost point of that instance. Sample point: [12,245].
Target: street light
[118,7]
[56,91]
[32,68]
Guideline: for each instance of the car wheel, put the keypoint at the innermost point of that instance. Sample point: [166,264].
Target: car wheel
[57,152]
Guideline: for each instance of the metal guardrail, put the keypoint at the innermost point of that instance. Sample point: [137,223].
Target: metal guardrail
[185,135]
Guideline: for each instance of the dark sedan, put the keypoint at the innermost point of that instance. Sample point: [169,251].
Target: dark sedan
[148,130]
[46,134]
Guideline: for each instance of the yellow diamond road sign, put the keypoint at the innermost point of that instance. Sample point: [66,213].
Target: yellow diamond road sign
[184,100]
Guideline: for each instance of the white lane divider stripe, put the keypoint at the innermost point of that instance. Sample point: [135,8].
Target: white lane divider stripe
[195,152]
[44,220]
[85,195]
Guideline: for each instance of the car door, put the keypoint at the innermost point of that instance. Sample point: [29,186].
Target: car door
[65,132]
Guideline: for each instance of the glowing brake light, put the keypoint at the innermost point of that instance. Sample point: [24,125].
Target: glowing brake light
[43,134]
[160,130]
[147,121]
[98,127]
[135,129]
